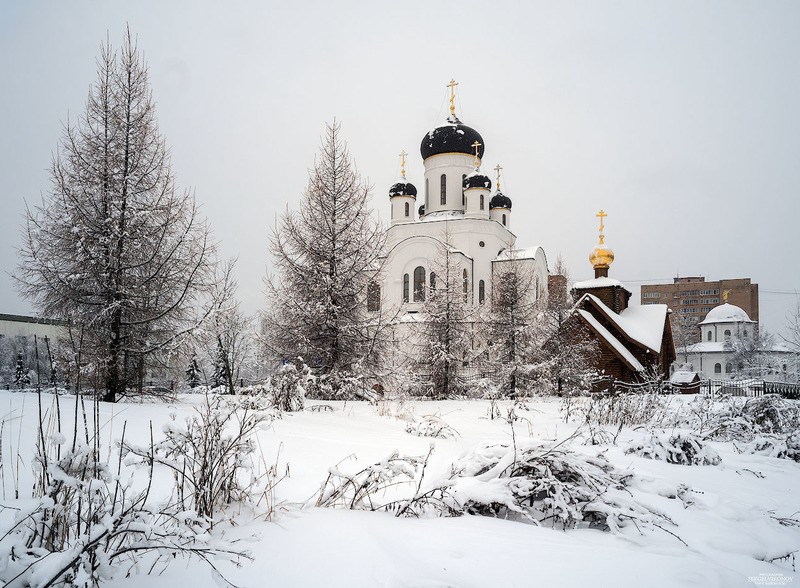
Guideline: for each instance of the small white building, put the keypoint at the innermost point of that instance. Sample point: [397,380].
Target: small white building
[458,213]
[725,332]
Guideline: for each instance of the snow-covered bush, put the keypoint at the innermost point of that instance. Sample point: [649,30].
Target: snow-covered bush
[782,447]
[620,409]
[339,386]
[288,388]
[211,455]
[685,449]
[432,426]
[739,419]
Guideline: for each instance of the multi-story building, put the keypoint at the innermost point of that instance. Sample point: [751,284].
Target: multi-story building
[692,298]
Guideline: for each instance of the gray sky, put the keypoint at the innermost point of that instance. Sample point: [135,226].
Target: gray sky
[680,119]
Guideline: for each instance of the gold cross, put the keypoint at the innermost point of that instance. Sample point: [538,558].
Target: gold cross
[601,215]
[452,85]
[497,169]
[403,163]
[476,144]
[725,294]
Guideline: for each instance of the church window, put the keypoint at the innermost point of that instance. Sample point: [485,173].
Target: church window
[504,220]
[466,285]
[419,284]
[709,336]
[463,194]
[443,182]
[481,244]
[433,280]
[481,292]
[426,195]
[727,333]
[405,287]
[408,209]
[373,297]
[727,368]
[482,204]
[717,368]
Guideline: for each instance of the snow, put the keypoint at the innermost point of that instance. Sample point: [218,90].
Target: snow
[602,282]
[683,377]
[525,253]
[612,340]
[722,515]
[442,215]
[726,313]
[644,323]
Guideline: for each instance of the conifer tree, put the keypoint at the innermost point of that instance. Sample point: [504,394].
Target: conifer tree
[115,248]
[326,254]
[193,372]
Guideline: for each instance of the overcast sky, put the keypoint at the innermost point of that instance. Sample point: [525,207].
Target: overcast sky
[680,119]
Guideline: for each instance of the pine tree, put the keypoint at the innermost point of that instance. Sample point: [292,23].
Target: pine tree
[115,249]
[325,254]
[21,373]
[193,372]
[221,375]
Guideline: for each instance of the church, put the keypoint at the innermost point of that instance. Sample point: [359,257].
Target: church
[457,212]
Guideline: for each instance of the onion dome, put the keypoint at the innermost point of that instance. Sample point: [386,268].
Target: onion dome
[601,257]
[477,180]
[453,137]
[421,210]
[500,200]
[403,189]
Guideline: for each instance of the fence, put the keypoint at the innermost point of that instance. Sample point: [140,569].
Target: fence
[749,388]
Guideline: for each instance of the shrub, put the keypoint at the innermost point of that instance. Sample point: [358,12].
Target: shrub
[685,449]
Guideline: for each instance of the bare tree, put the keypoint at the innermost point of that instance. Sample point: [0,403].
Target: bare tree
[685,332]
[115,248]
[326,254]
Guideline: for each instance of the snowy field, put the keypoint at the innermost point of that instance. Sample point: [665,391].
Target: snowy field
[723,527]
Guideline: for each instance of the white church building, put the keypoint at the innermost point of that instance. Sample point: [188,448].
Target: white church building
[457,211]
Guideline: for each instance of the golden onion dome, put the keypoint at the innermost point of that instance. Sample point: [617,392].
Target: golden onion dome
[601,257]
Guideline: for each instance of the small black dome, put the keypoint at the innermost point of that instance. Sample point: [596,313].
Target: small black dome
[421,210]
[476,180]
[403,189]
[500,200]
[453,137]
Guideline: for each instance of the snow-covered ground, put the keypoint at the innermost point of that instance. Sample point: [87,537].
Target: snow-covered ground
[723,534]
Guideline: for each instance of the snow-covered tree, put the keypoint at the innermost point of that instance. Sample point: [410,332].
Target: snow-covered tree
[326,254]
[115,248]
[510,322]
[21,372]
[193,372]
[446,325]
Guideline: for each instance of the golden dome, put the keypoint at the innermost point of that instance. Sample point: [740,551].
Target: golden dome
[601,257]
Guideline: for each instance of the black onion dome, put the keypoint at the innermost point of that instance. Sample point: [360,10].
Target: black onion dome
[453,137]
[500,200]
[403,189]
[476,180]
[421,210]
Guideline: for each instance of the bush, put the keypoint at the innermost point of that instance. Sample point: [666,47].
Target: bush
[432,426]
[685,449]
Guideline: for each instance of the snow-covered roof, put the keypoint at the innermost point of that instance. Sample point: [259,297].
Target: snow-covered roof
[442,215]
[643,324]
[618,346]
[598,283]
[725,347]
[683,377]
[726,313]
[513,254]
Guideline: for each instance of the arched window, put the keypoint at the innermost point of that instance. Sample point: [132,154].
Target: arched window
[443,191]
[405,287]
[419,284]
[426,195]
[709,336]
[481,290]
[727,333]
[408,209]
[463,194]
[717,368]
[482,205]
[373,297]
[727,368]
[466,285]
[433,280]
[504,219]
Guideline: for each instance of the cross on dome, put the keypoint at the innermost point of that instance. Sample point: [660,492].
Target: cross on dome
[601,215]
[498,168]
[452,85]
[403,163]
[476,145]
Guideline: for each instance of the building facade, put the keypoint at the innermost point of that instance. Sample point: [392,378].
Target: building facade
[692,298]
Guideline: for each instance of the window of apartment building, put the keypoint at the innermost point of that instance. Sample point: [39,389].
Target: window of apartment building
[651,295]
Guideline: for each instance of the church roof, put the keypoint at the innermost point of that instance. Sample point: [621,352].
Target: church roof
[452,137]
[726,313]
[612,341]
[641,324]
[599,283]
[514,254]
